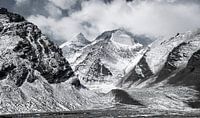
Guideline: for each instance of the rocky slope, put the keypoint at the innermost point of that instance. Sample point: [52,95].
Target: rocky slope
[97,70]
[25,50]
[34,75]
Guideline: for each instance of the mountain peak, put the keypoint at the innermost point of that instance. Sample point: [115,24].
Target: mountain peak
[120,36]
[73,46]
[80,38]
[77,41]
[124,37]
[80,35]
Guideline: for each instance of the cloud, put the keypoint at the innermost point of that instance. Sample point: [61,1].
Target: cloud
[59,29]
[63,19]
[64,4]
[19,2]
[53,11]
[152,18]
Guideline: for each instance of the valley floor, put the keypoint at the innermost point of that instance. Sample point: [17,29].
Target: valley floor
[116,112]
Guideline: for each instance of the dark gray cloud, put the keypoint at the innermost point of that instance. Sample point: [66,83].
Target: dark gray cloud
[40,7]
[9,4]
[29,7]
[63,19]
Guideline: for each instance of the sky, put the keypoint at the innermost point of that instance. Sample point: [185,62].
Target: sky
[61,20]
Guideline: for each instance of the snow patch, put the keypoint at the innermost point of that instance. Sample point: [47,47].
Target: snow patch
[102,87]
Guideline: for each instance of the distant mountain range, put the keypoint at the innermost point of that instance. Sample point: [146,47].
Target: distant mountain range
[112,51]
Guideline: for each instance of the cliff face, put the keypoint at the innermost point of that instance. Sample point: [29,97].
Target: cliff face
[189,76]
[24,50]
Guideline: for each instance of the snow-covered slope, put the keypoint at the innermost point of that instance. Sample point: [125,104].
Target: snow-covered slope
[114,50]
[164,59]
[73,47]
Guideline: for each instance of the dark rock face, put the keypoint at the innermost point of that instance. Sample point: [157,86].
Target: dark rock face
[3,10]
[25,50]
[190,76]
[12,16]
[97,70]
[1,27]
[170,67]
[76,82]
[141,72]
[6,69]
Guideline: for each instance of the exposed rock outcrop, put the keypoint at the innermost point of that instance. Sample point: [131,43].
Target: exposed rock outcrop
[24,50]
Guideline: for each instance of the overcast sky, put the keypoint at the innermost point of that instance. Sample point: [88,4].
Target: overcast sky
[63,19]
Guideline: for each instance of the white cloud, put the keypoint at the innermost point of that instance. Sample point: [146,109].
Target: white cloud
[152,18]
[19,2]
[53,11]
[60,29]
[64,4]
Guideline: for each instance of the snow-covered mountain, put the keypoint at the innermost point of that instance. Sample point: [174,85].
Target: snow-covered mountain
[113,51]
[164,59]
